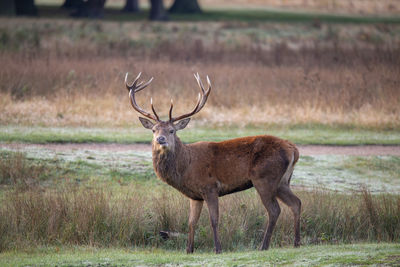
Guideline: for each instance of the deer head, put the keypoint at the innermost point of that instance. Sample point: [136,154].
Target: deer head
[164,132]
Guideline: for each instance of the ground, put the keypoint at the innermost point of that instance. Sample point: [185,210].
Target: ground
[305,150]
[325,255]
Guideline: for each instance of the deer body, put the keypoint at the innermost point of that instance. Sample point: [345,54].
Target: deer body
[204,171]
[226,167]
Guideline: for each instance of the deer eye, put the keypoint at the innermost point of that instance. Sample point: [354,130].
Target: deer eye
[154,131]
[171,131]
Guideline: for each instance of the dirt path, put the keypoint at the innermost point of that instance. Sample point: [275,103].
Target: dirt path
[367,150]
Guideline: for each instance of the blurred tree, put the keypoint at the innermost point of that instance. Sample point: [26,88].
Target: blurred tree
[131,6]
[89,8]
[157,10]
[72,3]
[95,8]
[185,6]
[25,7]
[7,7]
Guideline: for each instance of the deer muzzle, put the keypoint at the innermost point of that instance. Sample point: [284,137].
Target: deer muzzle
[162,140]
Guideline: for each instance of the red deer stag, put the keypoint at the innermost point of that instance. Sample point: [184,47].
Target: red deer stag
[204,171]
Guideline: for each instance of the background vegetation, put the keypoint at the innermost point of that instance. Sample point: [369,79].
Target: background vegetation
[311,77]
[73,72]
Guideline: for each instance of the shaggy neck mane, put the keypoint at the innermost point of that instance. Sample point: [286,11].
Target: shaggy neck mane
[170,165]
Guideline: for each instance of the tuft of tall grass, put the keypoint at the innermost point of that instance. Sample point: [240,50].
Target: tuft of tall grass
[18,172]
[103,217]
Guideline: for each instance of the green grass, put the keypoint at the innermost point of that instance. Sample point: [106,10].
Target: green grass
[349,173]
[299,134]
[116,168]
[370,165]
[87,168]
[280,16]
[246,15]
[359,254]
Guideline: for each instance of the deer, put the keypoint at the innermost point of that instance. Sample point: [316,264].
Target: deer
[204,171]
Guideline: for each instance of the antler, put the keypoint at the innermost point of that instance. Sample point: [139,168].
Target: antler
[133,89]
[201,101]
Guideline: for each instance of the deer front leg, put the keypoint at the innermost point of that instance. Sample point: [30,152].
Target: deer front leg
[194,215]
[213,210]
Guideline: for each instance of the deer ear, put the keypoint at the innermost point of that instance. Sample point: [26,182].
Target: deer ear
[146,123]
[182,124]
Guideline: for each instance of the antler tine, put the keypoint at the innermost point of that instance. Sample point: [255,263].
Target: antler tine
[203,95]
[199,82]
[134,88]
[194,111]
[208,82]
[141,87]
[170,110]
[138,109]
[133,85]
[152,108]
[137,87]
[197,76]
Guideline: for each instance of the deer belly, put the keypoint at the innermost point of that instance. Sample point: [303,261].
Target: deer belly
[225,189]
[232,176]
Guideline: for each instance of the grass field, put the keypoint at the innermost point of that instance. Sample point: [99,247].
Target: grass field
[376,173]
[358,254]
[300,134]
[103,199]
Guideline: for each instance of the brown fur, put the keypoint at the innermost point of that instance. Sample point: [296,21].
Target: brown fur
[204,171]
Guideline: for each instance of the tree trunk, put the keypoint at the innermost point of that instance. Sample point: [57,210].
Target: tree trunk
[157,10]
[90,9]
[131,6]
[25,8]
[72,3]
[7,7]
[185,6]
[95,8]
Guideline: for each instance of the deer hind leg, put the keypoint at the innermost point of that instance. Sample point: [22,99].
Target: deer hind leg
[194,215]
[213,210]
[271,204]
[294,203]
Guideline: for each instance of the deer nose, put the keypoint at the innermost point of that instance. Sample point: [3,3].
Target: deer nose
[161,140]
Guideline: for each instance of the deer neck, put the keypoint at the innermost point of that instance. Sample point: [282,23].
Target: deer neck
[170,165]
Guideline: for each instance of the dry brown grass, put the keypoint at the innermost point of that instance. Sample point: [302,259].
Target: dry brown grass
[17,171]
[71,73]
[104,218]
[91,93]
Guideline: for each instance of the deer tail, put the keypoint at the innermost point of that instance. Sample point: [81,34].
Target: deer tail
[288,173]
